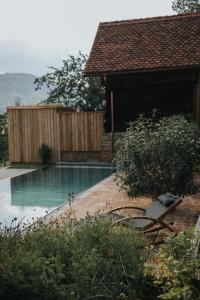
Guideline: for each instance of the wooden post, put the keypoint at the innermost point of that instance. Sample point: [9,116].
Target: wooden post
[197,102]
[112,120]
[112,112]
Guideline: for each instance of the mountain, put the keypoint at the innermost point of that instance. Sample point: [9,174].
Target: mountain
[19,88]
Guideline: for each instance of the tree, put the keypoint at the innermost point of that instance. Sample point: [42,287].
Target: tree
[186,6]
[3,123]
[69,86]
[3,137]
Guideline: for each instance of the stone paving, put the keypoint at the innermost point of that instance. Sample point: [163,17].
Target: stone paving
[8,173]
[106,195]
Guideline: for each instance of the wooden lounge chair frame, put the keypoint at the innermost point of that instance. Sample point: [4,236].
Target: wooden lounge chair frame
[197,240]
[149,228]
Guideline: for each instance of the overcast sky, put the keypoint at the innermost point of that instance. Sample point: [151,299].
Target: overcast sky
[37,33]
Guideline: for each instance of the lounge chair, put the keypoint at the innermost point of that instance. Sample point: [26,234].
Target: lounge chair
[152,219]
[197,239]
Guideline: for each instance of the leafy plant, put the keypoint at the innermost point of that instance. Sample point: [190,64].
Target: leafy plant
[156,156]
[177,271]
[86,259]
[90,259]
[45,153]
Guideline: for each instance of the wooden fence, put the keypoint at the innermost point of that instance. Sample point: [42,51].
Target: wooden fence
[29,127]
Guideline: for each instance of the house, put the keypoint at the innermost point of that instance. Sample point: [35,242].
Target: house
[147,64]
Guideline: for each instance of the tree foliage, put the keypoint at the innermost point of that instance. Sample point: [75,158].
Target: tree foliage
[3,137]
[186,6]
[3,123]
[70,87]
[158,156]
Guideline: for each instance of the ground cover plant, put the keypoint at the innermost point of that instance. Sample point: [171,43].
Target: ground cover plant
[90,259]
[84,260]
[155,156]
[177,271]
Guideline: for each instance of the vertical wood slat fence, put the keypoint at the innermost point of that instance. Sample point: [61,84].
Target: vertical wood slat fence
[29,127]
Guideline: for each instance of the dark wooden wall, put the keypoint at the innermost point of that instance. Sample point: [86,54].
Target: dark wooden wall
[167,92]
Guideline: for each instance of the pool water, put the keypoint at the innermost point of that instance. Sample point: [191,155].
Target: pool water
[27,197]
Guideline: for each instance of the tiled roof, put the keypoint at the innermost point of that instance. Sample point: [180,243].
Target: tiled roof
[146,44]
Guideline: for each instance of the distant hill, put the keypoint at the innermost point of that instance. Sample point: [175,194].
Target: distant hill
[19,87]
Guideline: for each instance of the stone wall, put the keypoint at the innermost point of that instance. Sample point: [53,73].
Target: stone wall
[108,150]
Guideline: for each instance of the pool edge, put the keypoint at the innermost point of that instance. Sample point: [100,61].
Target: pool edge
[66,205]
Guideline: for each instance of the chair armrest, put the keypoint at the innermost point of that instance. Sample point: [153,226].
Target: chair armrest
[126,207]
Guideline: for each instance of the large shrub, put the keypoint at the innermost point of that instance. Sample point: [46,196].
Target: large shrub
[78,261]
[3,148]
[158,156]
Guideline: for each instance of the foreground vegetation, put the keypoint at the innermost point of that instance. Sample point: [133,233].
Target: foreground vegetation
[90,259]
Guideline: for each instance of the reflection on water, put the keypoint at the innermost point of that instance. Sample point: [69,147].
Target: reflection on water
[29,196]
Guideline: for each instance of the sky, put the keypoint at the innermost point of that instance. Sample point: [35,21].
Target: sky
[35,34]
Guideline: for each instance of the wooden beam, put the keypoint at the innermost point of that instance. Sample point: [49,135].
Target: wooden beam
[112,111]
[112,120]
[197,101]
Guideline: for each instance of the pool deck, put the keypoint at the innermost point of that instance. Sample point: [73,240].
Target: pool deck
[9,173]
[106,195]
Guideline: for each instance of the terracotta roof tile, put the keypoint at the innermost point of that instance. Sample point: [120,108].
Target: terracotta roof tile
[143,44]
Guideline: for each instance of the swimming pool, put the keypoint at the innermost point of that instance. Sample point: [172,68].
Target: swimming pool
[27,197]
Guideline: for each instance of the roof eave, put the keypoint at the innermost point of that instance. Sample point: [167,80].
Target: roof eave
[133,71]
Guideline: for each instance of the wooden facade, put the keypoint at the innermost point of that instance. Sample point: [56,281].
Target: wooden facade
[62,131]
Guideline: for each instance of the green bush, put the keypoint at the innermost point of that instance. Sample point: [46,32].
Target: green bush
[78,261]
[177,271]
[45,153]
[3,148]
[158,156]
